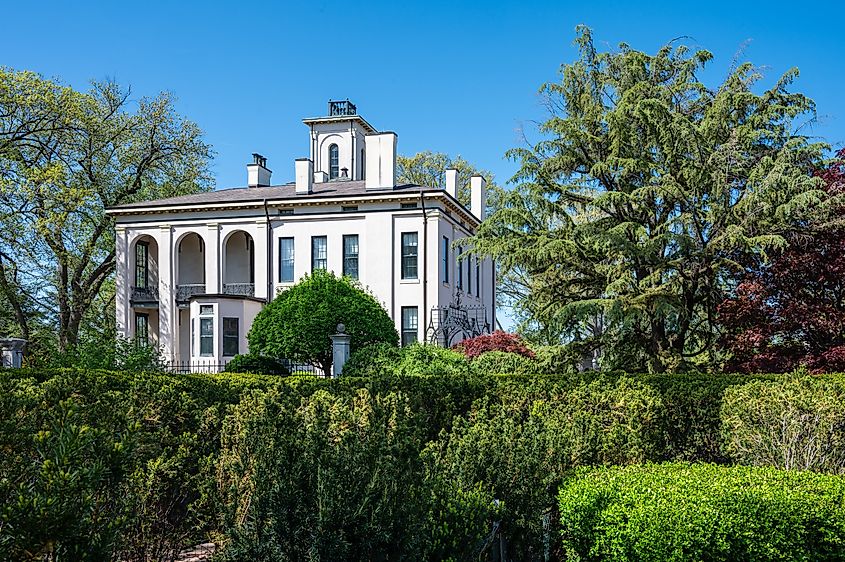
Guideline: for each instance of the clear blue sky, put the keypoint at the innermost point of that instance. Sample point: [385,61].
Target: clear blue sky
[455,77]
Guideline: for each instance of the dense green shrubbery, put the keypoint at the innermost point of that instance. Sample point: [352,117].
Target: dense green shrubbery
[256,365]
[521,442]
[94,463]
[702,512]
[792,422]
[401,465]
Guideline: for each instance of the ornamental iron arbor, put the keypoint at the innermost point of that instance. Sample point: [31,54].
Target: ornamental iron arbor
[456,322]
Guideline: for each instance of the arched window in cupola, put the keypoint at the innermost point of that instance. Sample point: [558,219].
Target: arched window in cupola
[334,162]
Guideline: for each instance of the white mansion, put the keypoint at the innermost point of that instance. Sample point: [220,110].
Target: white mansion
[193,271]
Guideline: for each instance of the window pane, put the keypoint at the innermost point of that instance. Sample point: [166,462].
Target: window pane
[333,161]
[409,255]
[206,309]
[469,275]
[350,255]
[231,337]
[460,261]
[286,260]
[141,262]
[142,334]
[445,259]
[319,259]
[206,336]
[477,277]
[409,325]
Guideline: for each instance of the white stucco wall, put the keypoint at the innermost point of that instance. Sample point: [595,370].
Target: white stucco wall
[379,225]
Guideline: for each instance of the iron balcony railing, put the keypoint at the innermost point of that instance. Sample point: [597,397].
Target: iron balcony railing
[186,291]
[239,289]
[144,295]
[341,108]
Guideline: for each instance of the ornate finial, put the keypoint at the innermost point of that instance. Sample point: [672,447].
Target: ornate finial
[341,329]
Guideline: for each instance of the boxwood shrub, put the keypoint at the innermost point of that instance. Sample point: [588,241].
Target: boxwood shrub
[701,512]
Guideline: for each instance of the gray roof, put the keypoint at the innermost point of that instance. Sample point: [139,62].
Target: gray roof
[286,191]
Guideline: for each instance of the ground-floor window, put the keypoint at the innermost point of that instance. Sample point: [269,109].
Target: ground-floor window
[206,330]
[142,329]
[231,337]
[409,325]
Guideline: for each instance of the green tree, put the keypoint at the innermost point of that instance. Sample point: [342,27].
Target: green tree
[645,191]
[65,156]
[297,324]
[429,169]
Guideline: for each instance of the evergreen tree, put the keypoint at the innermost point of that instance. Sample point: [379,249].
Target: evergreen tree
[644,193]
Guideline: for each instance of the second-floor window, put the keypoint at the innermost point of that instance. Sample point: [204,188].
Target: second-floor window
[445,259]
[319,257]
[142,258]
[334,162]
[286,260]
[409,255]
[350,255]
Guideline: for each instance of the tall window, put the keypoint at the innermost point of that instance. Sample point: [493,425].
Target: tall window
[469,275]
[445,259]
[334,162]
[350,255]
[460,261]
[477,277]
[319,259]
[409,325]
[409,255]
[206,330]
[286,260]
[363,166]
[231,337]
[142,257]
[142,329]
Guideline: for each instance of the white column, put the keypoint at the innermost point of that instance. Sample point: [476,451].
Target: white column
[167,313]
[259,239]
[212,259]
[122,282]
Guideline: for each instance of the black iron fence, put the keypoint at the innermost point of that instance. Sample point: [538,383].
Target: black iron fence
[197,366]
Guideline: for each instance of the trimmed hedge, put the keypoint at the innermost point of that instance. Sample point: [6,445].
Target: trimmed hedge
[97,465]
[256,364]
[141,464]
[792,422]
[702,512]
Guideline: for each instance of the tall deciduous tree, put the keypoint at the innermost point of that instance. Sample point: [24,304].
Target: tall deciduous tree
[645,189]
[429,169]
[65,156]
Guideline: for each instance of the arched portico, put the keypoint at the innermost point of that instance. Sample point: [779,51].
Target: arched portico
[239,264]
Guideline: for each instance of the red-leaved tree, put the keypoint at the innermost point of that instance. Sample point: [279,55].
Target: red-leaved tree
[497,341]
[791,311]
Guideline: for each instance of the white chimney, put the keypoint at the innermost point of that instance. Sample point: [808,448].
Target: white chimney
[380,155]
[478,196]
[304,175]
[452,182]
[321,177]
[257,173]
